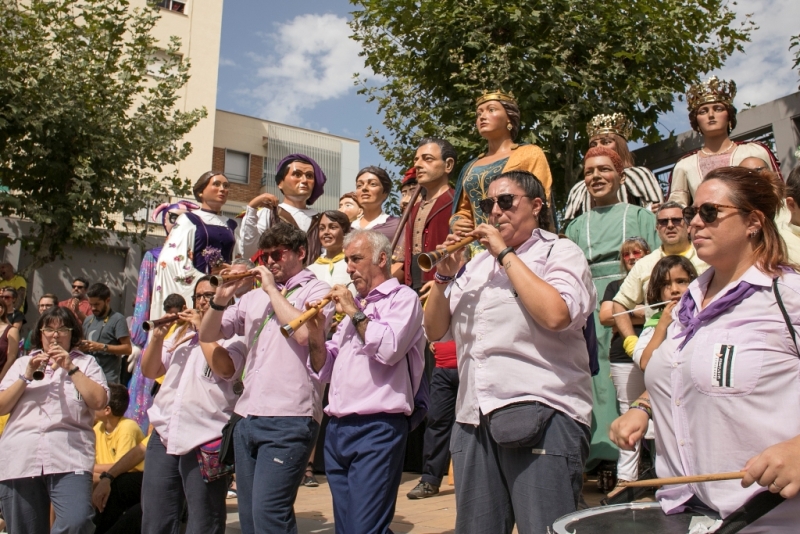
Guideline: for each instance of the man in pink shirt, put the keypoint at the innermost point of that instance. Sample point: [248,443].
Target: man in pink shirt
[374,364]
[281,402]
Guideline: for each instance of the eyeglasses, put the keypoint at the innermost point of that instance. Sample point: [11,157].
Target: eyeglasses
[8,297]
[276,256]
[504,202]
[59,331]
[633,254]
[708,212]
[676,221]
[78,286]
[206,296]
[172,217]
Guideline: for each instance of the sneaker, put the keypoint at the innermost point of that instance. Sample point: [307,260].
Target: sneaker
[310,481]
[231,494]
[423,490]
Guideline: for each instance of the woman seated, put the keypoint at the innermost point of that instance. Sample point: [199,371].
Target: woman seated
[725,384]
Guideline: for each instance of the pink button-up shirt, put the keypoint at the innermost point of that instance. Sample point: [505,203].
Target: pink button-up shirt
[504,356]
[193,403]
[730,393]
[50,429]
[382,373]
[277,381]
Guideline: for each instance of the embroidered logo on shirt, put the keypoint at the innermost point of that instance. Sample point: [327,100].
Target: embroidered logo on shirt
[207,371]
[722,366]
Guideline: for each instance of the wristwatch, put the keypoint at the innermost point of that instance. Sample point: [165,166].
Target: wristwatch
[215,306]
[73,370]
[109,476]
[358,318]
[105,347]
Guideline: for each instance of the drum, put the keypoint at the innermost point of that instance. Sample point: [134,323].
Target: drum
[628,518]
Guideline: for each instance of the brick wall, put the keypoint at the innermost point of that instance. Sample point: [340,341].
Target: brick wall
[218,160]
[241,192]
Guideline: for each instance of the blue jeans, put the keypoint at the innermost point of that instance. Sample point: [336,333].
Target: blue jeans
[26,503]
[271,456]
[364,463]
[168,480]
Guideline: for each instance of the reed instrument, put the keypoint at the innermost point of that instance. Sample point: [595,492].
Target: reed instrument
[167,319]
[38,374]
[220,279]
[429,260]
[291,327]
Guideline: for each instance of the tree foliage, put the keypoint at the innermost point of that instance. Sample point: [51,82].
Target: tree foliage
[89,130]
[794,43]
[564,60]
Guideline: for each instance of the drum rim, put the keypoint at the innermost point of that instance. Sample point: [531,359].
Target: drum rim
[563,521]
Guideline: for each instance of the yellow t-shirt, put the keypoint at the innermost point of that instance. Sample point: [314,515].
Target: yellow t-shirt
[111,447]
[16,282]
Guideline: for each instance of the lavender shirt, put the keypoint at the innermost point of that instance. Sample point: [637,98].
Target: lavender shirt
[730,393]
[382,373]
[277,381]
[50,429]
[193,403]
[504,356]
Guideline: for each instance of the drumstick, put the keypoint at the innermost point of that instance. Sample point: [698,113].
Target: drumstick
[735,475]
[646,306]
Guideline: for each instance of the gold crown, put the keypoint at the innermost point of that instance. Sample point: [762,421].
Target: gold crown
[713,90]
[615,123]
[495,95]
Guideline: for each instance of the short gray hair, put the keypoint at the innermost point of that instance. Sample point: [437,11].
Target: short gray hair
[377,242]
[244,261]
[670,205]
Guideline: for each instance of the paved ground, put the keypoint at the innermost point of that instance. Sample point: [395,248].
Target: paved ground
[435,515]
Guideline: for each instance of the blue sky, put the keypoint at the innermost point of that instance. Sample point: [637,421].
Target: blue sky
[292,62]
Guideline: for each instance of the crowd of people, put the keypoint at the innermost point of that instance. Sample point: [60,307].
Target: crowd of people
[532,356]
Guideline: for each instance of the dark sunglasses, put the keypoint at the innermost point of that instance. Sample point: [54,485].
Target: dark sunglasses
[708,212]
[173,217]
[276,256]
[676,221]
[504,202]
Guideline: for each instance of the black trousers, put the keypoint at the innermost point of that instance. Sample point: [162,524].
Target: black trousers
[440,420]
[126,491]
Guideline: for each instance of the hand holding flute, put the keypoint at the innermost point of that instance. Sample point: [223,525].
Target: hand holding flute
[339,294]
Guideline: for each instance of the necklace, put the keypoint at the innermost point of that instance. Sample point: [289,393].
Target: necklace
[730,146]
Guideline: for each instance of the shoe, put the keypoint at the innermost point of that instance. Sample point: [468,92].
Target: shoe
[423,490]
[310,481]
[231,494]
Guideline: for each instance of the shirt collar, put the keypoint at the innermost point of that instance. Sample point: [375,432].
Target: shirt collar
[537,235]
[299,279]
[753,276]
[383,290]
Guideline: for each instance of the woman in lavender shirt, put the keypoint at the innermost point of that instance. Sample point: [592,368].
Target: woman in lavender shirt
[725,384]
[47,447]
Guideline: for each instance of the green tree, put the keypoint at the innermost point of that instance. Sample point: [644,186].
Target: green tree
[794,42]
[89,130]
[564,60]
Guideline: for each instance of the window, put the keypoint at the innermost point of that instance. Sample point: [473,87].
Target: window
[237,166]
[172,5]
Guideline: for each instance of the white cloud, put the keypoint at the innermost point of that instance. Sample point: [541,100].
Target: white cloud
[225,62]
[312,60]
[763,72]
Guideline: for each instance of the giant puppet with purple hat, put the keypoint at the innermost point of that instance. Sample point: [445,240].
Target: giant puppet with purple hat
[301,182]
[139,388]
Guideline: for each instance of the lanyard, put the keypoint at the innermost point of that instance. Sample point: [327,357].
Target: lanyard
[268,317]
